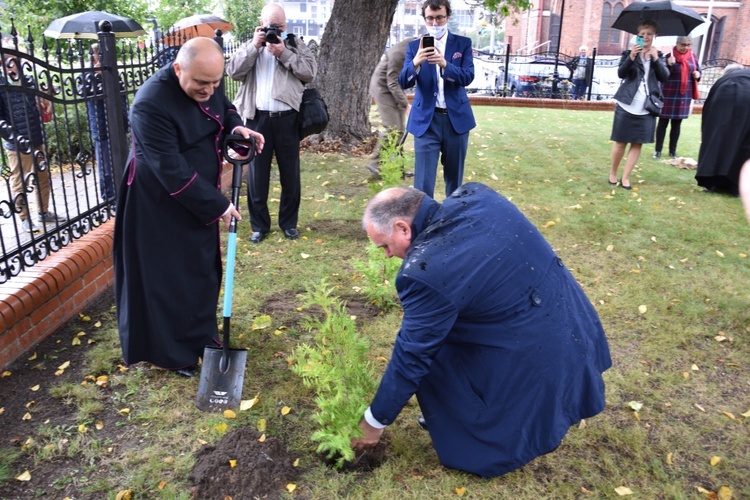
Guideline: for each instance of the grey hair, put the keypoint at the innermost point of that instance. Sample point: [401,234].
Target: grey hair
[390,205]
[732,67]
[682,39]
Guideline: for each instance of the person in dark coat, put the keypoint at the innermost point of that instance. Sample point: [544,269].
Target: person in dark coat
[679,91]
[499,343]
[166,245]
[581,67]
[97,117]
[725,133]
[22,131]
[641,69]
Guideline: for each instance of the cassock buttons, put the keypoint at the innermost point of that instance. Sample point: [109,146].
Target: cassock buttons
[536,299]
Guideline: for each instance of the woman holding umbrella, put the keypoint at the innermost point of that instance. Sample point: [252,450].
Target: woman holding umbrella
[679,92]
[641,69]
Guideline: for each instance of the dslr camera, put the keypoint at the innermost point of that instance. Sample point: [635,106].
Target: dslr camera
[273,33]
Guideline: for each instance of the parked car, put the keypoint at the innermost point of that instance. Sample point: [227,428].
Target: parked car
[532,76]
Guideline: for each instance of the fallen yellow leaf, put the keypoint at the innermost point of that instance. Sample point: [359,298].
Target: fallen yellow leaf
[746,414]
[33,357]
[26,416]
[720,254]
[76,341]
[5,374]
[635,405]
[295,463]
[262,438]
[124,411]
[715,460]
[291,487]
[725,493]
[549,224]
[261,425]
[202,442]
[728,414]
[222,427]
[460,491]
[82,428]
[99,425]
[86,318]
[98,324]
[24,476]
[64,365]
[233,463]
[669,458]
[246,404]
[124,495]
[642,308]
[161,485]
[622,491]
[229,414]
[285,410]
[35,388]
[695,368]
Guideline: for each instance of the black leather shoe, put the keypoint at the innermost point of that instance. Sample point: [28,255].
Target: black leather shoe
[422,423]
[657,154]
[291,234]
[257,237]
[188,372]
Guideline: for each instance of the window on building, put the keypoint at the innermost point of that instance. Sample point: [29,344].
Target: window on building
[303,7]
[609,38]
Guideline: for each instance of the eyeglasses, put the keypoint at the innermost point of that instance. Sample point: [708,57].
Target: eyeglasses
[432,19]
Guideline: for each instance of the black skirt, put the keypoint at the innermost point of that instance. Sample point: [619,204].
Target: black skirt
[638,129]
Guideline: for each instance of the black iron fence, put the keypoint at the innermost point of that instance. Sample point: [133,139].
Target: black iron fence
[550,75]
[60,169]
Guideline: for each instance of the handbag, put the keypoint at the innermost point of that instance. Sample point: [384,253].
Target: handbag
[313,113]
[653,103]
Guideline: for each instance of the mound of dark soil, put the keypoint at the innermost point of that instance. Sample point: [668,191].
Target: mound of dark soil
[262,469]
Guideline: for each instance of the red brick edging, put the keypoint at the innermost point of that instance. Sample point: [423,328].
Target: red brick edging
[38,301]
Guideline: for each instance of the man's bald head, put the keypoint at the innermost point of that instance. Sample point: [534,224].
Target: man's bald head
[201,49]
[199,67]
[273,13]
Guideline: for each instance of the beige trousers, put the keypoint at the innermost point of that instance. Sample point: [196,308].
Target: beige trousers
[21,166]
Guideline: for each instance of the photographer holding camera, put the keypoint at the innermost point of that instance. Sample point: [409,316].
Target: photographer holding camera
[273,67]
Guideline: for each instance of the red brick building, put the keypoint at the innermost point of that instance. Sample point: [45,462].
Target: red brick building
[588,22]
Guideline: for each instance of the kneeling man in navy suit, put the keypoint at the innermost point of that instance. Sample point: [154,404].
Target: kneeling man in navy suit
[499,343]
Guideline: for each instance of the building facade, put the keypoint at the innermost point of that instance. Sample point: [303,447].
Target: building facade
[588,22]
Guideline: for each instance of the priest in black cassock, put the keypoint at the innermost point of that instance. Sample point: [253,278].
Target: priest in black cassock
[166,246]
[725,133]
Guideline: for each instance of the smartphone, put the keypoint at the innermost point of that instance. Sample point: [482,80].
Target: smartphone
[639,40]
[428,41]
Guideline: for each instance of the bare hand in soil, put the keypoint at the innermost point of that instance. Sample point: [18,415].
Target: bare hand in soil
[370,438]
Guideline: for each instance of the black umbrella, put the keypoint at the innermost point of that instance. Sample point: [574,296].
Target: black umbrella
[672,19]
[86,25]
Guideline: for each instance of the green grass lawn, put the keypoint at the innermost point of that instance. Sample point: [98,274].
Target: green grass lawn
[665,265]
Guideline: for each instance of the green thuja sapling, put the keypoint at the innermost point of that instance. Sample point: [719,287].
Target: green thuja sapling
[392,162]
[337,369]
[379,277]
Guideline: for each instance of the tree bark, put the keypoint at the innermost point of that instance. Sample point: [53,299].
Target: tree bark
[353,42]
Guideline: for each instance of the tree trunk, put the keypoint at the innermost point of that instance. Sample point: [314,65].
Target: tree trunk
[351,47]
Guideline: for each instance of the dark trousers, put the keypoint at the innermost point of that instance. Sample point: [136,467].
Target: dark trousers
[281,134]
[440,141]
[674,134]
[579,88]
